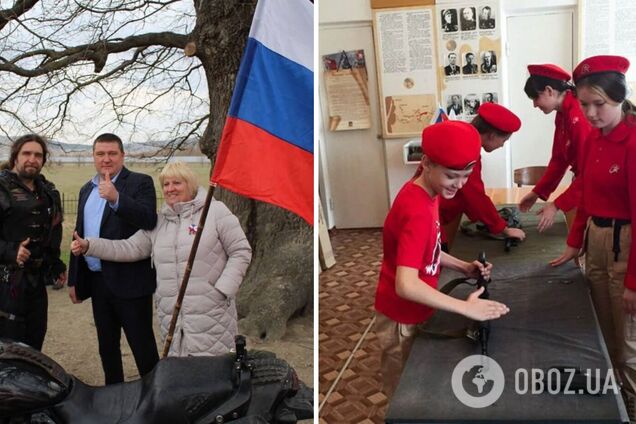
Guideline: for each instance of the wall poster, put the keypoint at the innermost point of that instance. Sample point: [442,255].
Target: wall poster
[406,61]
[607,27]
[448,54]
[347,87]
[469,46]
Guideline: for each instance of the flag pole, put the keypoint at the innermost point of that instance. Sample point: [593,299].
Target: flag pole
[188,270]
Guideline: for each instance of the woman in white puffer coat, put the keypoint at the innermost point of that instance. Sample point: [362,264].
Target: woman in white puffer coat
[207,321]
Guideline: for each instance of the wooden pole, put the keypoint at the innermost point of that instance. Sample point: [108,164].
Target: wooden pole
[188,270]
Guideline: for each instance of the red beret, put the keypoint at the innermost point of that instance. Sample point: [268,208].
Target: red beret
[499,117]
[453,144]
[598,64]
[549,70]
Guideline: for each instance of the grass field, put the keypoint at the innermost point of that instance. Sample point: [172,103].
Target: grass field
[69,178]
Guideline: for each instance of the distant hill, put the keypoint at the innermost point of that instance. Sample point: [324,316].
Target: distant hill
[152,149]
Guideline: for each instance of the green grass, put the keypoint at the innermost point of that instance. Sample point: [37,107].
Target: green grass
[69,178]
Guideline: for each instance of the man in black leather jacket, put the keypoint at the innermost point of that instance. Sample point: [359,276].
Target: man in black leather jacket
[30,236]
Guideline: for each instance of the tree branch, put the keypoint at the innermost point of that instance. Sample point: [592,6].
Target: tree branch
[123,8]
[147,87]
[19,8]
[96,52]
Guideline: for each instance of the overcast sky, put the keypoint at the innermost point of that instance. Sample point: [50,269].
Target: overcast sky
[90,110]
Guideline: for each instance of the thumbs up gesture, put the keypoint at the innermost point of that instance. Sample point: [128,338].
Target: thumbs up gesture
[107,189]
[79,246]
[23,253]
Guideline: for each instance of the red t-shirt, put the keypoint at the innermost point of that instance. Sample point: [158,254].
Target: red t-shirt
[411,237]
[474,202]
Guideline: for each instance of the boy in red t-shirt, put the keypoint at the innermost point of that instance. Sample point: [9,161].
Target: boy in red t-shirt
[495,125]
[407,290]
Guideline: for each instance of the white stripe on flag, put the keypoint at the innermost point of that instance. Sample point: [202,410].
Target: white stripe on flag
[286,27]
[439,115]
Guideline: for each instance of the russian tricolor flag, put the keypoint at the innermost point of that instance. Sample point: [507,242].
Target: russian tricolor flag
[439,115]
[266,150]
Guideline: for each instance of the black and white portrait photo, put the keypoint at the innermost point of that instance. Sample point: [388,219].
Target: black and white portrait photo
[470,64]
[452,68]
[454,104]
[486,18]
[489,98]
[471,104]
[467,19]
[488,62]
[449,20]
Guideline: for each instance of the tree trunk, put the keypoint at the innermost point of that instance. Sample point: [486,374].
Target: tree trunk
[279,282]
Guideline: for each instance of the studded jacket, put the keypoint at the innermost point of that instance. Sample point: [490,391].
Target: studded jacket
[36,215]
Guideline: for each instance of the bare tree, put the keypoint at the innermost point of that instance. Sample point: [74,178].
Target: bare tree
[157,70]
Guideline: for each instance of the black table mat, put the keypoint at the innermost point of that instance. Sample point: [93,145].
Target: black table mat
[551,323]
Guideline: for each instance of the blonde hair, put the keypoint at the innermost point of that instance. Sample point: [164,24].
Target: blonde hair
[180,171]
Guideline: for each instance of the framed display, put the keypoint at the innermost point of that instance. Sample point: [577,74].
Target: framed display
[427,56]
[347,87]
[469,46]
[406,63]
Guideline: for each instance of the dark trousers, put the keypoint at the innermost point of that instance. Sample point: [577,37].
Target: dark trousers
[28,306]
[111,314]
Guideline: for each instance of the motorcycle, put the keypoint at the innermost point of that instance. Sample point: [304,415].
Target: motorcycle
[240,388]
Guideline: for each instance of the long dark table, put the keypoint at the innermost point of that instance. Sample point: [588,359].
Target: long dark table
[551,324]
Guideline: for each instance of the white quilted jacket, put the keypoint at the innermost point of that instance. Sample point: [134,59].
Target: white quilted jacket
[207,321]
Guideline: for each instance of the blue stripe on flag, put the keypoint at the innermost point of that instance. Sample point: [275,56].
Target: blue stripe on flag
[275,94]
[439,116]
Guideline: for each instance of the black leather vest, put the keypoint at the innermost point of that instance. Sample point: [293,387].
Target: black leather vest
[27,213]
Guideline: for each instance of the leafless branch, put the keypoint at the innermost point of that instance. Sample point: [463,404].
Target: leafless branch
[19,8]
[75,66]
[96,52]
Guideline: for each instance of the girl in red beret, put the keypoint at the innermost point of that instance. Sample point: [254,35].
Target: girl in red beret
[550,90]
[607,208]
[495,125]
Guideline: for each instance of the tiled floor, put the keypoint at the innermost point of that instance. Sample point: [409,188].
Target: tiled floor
[348,355]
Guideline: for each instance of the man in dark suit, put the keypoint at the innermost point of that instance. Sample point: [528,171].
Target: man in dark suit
[470,67]
[451,68]
[486,21]
[455,105]
[467,20]
[114,205]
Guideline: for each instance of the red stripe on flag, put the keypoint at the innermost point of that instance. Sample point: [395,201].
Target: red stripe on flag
[256,164]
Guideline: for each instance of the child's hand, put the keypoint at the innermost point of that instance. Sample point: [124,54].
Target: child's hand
[528,200]
[483,309]
[570,253]
[474,269]
[547,214]
[516,233]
